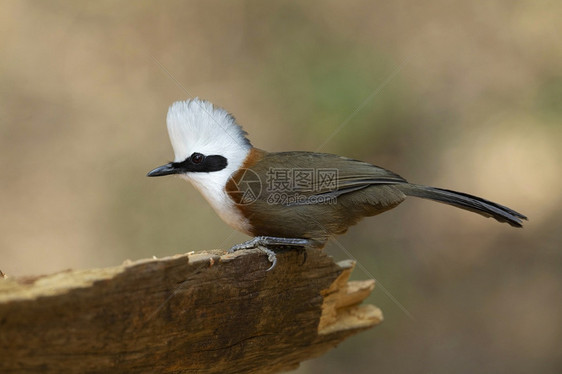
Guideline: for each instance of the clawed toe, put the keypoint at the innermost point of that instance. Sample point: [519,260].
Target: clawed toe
[263,242]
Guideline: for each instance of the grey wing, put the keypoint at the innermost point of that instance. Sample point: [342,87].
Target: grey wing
[335,176]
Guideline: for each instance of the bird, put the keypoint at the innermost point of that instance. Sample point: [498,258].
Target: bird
[295,199]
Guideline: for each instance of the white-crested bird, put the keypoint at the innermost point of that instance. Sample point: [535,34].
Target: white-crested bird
[289,199]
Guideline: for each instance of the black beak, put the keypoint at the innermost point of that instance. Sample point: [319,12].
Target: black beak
[167,169]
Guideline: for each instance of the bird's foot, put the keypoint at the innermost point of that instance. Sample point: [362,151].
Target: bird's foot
[263,242]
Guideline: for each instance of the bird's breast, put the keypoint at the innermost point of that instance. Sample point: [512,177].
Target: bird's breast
[213,190]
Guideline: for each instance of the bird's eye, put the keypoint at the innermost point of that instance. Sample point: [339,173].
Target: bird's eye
[197,158]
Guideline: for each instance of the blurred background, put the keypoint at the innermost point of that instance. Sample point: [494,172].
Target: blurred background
[461,95]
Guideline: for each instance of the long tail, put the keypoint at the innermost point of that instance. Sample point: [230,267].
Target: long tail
[465,201]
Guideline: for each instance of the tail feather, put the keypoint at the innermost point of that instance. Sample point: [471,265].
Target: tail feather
[465,201]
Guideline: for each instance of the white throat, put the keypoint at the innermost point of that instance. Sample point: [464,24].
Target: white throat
[212,187]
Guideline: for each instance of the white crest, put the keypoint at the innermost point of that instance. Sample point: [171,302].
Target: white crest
[198,126]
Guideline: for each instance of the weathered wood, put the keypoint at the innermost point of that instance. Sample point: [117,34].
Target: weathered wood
[206,312]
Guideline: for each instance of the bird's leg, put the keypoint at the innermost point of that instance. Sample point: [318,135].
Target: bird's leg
[266,241]
[263,242]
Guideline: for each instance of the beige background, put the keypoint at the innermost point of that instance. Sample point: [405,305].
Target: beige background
[462,95]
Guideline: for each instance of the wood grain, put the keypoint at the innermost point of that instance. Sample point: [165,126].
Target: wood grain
[206,312]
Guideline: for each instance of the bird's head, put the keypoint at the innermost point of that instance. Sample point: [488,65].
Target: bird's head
[208,143]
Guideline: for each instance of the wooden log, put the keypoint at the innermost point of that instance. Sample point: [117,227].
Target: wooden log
[206,312]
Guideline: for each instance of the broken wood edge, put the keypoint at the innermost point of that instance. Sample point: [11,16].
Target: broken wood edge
[341,309]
